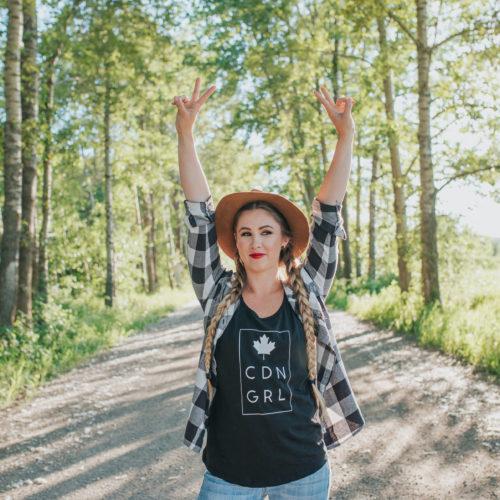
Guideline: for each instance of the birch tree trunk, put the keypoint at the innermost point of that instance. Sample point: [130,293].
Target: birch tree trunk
[48,111]
[139,223]
[29,95]
[34,261]
[149,241]
[324,155]
[169,244]
[428,224]
[308,191]
[345,268]
[11,215]
[357,254]
[335,76]
[177,220]
[397,178]
[154,249]
[346,247]
[110,253]
[41,272]
[372,216]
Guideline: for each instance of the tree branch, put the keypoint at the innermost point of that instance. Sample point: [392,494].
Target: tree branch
[442,129]
[466,105]
[405,174]
[465,174]
[402,25]
[437,21]
[477,25]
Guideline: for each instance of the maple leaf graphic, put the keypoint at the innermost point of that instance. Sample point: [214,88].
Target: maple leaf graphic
[263,346]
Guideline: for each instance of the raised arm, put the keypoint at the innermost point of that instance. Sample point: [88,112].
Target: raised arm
[193,180]
[327,224]
[334,186]
[203,257]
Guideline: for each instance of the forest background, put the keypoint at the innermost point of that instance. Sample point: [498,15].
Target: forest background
[93,237]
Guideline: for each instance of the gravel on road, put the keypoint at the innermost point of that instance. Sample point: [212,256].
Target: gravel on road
[113,426]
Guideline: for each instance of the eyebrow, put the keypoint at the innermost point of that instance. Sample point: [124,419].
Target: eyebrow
[261,227]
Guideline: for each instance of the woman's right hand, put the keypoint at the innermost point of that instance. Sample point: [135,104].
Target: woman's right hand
[187,109]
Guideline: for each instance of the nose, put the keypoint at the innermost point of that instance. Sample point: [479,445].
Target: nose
[256,244]
[255,238]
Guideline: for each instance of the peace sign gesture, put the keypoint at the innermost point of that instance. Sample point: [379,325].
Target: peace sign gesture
[187,109]
[339,112]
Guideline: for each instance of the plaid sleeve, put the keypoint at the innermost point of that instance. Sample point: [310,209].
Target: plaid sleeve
[203,256]
[322,252]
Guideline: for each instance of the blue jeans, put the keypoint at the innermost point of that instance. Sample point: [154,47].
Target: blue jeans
[313,487]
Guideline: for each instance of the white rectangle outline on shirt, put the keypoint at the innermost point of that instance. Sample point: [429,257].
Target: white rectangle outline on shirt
[289,370]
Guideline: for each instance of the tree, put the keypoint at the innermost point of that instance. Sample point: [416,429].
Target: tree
[107,57]
[53,41]
[12,166]
[425,51]
[30,134]
[372,267]
[398,181]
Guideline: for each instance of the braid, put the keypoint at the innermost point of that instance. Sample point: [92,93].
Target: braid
[293,267]
[231,297]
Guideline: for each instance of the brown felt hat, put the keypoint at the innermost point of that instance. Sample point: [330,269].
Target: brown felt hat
[228,206]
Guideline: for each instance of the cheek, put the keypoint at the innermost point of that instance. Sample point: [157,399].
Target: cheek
[242,244]
[275,244]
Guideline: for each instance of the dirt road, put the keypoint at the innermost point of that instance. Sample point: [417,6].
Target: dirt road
[112,428]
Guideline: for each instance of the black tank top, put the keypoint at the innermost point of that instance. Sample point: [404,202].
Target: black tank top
[263,429]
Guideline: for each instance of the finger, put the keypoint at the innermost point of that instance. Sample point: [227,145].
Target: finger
[329,106]
[203,99]
[346,103]
[340,104]
[321,98]
[347,99]
[180,104]
[335,106]
[181,97]
[327,94]
[196,91]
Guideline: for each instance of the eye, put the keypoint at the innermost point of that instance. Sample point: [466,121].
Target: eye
[244,233]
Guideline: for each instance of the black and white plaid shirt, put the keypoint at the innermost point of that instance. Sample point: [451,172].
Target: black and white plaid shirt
[211,281]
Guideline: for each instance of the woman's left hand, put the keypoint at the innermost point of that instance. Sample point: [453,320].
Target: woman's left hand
[339,112]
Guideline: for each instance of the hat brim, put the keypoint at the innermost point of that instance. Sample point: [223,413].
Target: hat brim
[228,206]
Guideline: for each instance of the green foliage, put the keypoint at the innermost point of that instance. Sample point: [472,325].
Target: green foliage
[342,288]
[68,331]
[466,326]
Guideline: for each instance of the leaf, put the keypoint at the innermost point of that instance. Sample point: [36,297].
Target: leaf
[263,346]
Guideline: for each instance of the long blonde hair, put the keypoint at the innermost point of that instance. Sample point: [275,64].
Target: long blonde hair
[295,281]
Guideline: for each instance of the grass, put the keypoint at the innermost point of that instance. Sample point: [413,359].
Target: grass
[70,330]
[466,326]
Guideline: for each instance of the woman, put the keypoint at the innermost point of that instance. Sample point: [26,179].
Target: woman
[271,388]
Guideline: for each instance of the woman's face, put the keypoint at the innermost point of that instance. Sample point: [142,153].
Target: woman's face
[259,240]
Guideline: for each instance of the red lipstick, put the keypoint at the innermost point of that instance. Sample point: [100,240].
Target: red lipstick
[257,255]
